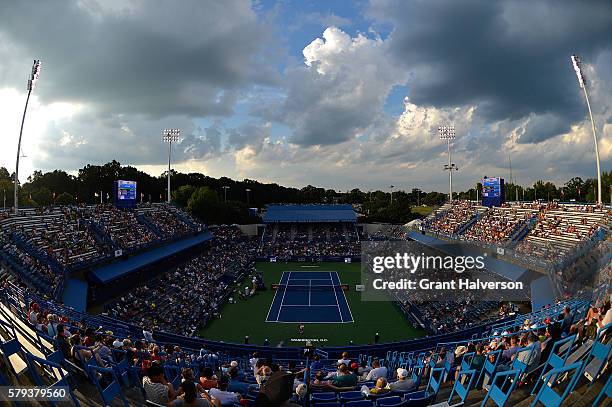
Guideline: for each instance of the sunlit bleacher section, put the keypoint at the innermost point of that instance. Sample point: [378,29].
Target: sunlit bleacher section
[453,218]
[550,232]
[496,225]
[562,229]
[558,355]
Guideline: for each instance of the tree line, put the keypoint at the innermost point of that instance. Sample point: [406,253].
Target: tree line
[224,200]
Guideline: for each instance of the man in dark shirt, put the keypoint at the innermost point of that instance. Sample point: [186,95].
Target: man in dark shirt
[62,341]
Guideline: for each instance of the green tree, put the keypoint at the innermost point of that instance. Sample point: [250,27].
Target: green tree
[65,199]
[204,203]
[182,194]
[42,196]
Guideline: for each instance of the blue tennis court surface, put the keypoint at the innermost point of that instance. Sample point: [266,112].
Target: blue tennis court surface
[316,297]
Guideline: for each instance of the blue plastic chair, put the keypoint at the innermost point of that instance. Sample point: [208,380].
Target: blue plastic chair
[427,396]
[598,356]
[59,379]
[359,403]
[463,385]
[173,375]
[547,394]
[557,357]
[326,396]
[606,391]
[466,360]
[10,348]
[388,401]
[112,389]
[328,404]
[496,393]
[348,396]
[488,368]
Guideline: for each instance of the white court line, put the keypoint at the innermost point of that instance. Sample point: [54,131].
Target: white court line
[345,301]
[271,306]
[337,303]
[309,291]
[332,306]
[283,299]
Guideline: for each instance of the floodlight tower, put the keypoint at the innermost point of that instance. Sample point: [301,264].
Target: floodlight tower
[582,83]
[31,83]
[448,133]
[169,136]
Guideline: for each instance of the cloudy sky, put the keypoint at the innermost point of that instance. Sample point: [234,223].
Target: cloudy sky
[339,94]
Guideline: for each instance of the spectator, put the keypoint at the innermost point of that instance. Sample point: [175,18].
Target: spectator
[156,387]
[221,393]
[403,383]
[377,371]
[62,342]
[235,384]
[189,397]
[207,379]
[319,383]
[380,387]
[344,359]
[344,378]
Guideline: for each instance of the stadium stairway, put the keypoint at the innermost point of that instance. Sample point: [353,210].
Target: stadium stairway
[149,225]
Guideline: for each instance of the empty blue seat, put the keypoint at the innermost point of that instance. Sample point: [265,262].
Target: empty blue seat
[351,396]
[388,401]
[502,385]
[327,396]
[360,403]
[463,385]
[547,395]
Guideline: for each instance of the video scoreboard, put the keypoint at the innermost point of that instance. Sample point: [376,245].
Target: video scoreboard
[125,194]
[493,192]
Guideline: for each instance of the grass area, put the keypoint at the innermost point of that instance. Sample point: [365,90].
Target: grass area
[422,210]
[248,317]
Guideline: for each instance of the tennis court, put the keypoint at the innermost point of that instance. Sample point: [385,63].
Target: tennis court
[309,297]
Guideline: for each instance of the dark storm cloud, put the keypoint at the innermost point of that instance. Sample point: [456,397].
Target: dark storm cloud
[510,58]
[161,59]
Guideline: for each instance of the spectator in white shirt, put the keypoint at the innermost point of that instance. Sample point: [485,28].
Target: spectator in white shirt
[377,371]
[345,359]
[226,398]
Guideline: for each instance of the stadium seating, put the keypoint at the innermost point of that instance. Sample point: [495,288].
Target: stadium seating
[103,359]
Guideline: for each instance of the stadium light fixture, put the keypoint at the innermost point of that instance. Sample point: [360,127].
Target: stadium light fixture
[248,191]
[169,136]
[576,63]
[34,75]
[448,133]
[225,188]
[391,188]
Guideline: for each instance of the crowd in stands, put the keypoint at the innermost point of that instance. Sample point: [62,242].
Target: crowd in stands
[182,301]
[496,225]
[173,376]
[167,222]
[450,221]
[42,269]
[122,226]
[62,235]
[309,240]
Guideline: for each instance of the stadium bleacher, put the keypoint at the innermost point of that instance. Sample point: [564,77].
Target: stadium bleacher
[554,355]
[145,341]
